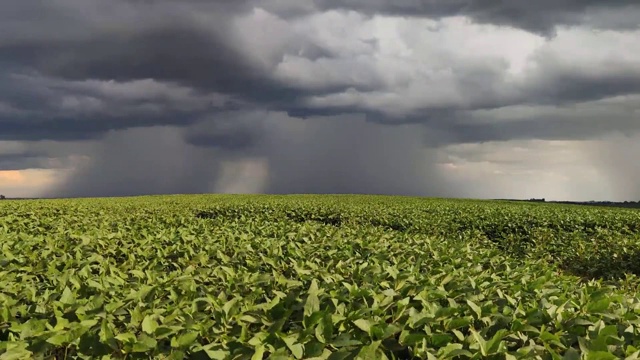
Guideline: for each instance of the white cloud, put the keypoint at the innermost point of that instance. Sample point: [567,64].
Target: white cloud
[412,63]
[555,170]
[29,182]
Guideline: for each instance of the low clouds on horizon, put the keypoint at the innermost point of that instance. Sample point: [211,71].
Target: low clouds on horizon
[451,98]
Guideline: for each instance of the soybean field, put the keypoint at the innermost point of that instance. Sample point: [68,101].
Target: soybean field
[317,277]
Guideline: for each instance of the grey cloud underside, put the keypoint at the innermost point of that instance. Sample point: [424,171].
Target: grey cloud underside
[39,158]
[180,55]
[537,16]
[540,129]
[541,16]
[22,161]
[233,131]
[175,49]
[561,88]
[141,161]
[183,54]
[37,110]
[74,129]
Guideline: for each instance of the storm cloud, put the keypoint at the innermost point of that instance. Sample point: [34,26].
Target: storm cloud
[323,96]
[539,16]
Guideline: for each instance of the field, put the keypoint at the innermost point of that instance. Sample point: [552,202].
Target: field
[317,277]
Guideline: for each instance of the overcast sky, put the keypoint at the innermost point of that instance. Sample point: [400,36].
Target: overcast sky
[446,98]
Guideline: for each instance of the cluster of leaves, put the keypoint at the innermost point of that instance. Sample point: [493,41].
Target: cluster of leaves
[315,277]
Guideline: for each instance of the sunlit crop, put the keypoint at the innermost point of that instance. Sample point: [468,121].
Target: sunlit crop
[316,277]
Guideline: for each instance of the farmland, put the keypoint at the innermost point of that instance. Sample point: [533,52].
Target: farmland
[324,277]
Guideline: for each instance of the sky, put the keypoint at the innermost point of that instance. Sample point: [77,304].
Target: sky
[437,98]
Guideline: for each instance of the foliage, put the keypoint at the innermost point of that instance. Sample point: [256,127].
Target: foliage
[316,277]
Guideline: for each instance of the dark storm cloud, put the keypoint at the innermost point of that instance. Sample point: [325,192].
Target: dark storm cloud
[33,156]
[542,129]
[19,161]
[540,16]
[347,154]
[340,154]
[561,83]
[153,42]
[73,129]
[234,131]
[141,161]
[33,107]
[169,45]
[171,92]
[43,40]
[173,54]
[237,140]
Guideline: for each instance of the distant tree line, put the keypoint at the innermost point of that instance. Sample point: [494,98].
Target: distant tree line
[624,204]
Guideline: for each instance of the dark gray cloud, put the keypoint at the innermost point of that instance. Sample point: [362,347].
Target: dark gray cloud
[49,50]
[190,43]
[170,95]
[169,54]
[40,108]
[18,161]
[347,154]
[341,154]
[232,131]
[576,121]
[540,16]
[144,161]
[543,129]
[197,45]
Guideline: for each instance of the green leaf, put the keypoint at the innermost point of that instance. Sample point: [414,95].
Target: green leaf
[126,337]
[144,344]
[457,323]
[258,353]
[475,308]
[368,352]
[571,354]
[184,340]
[149,324]
[439,340]
[598,306]
[59,339]
[364,325]
[345,340]
[214,352]
[600,355]
[16,352]
[67,297]
[633,356]
[229,305]
[408,339]
[312,305]
[340,355]
[292,344]
[324,329]
[453,350]
[494,343]
[480,341]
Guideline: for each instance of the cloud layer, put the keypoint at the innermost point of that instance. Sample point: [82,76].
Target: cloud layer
[320,96]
